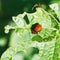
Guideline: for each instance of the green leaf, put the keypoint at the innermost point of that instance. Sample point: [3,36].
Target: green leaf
[18,56]
[46,50]
[40,16]
[19,36]
[22,39]
[56,8]
[19,21]
[57,47]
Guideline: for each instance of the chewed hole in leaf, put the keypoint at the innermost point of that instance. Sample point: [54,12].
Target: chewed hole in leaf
[33,50]
[37,38]
[35,28]
[26,19]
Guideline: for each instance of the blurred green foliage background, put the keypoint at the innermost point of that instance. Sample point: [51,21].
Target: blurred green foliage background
[9,8]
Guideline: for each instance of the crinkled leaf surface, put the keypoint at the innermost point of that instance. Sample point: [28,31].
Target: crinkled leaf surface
[57,47]
[46,50]
[23,30]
